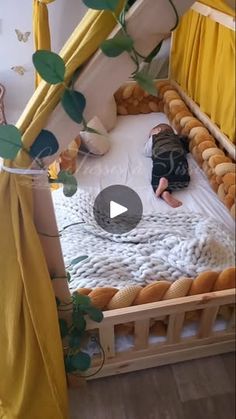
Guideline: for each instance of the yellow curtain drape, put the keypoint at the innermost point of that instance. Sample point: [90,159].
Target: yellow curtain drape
[220,5]
[41,29]
[32,384]
[203,63]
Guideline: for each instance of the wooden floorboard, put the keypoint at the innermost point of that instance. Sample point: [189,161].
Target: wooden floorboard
[199,389]
[215,407]
[202,378]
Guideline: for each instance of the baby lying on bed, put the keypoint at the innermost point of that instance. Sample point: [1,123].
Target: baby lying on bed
[170,166]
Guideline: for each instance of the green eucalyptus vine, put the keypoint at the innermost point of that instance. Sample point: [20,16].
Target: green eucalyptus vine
[73,331]
[73,326]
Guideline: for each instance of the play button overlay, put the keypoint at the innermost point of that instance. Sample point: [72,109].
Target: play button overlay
[117,209]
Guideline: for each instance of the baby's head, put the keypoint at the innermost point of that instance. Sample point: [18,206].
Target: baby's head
[160,128]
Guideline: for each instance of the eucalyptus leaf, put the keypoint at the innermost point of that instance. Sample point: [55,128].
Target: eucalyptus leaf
[45,145]
[69,183]
[70,189]
[63,176]
[78,259]
[50,66]
[81,361]
[74,103]
[93,312]
[146,82]
[10,141]
[74,338]
[63,327]
[102,4]
[81,299]
[78,321]
[68,364]
[117,45]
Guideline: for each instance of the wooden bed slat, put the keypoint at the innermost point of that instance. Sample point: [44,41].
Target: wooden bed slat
[141,330]
[231,325]
[208,318]
[107,340]
[174,327]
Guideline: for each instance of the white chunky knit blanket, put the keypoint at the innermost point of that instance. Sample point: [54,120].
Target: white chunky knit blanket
[163,246]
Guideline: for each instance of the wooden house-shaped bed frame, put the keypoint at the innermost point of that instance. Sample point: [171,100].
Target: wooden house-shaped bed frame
[216,292]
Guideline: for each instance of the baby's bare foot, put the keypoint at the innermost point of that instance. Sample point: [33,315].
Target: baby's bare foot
[170,200]
[163,184]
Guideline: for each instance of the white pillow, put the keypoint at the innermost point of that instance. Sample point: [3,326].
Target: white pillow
[108,114]
[98,144]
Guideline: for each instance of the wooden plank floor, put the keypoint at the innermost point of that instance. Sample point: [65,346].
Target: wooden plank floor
[199,389]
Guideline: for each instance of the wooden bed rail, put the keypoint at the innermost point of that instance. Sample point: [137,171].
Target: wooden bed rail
[174,347]
[162,308]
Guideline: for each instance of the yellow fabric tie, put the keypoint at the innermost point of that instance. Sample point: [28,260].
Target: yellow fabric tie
[32,383]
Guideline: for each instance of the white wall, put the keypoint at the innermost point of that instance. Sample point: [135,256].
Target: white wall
[64,16]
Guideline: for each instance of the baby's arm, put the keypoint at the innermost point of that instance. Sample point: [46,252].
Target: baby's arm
[148,147]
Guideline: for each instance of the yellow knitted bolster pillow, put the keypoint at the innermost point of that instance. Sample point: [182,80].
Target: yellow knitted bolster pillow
[111,298]
[131,99]
[202,145]
[223,168]
[212,151]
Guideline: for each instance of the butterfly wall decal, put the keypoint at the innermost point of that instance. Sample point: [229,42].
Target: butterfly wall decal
[21,36]
[19,70]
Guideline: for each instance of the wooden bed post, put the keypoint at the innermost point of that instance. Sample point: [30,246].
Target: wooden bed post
[45,222]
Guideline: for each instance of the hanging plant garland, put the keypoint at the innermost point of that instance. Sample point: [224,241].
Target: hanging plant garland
[74,333]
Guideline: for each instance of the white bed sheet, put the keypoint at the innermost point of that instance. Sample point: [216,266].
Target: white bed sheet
[126,164]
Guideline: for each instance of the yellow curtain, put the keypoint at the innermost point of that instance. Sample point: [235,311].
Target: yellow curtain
[32,384]
[203,63]
[220,5]
[41,28]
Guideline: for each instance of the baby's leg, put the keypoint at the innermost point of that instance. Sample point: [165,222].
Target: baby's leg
[170,200]
[162,186]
